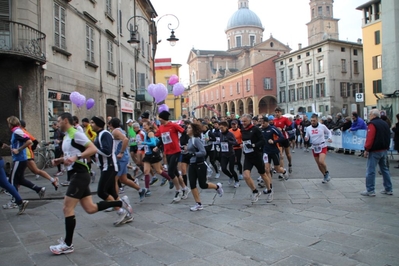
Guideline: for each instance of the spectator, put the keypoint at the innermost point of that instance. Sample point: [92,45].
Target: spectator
[395,129]
[357,124]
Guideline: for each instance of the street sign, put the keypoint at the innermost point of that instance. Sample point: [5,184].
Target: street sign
[359,97]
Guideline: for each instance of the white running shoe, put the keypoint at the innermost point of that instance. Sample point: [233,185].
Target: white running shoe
[177,197]
[220,189]
[217,175]
[126,204]
[197,207]
[255,197]
[236,184]
[121,216]
[10,205]
[185,193]
[61,248]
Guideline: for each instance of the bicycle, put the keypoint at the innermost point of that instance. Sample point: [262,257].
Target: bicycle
[44,155]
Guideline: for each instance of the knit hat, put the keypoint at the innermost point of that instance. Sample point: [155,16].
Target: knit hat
[145,115]
[85,120]
[98,121]
[164,115]
[271,117]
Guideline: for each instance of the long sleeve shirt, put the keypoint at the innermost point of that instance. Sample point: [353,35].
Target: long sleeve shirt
[195,146]
[227,141]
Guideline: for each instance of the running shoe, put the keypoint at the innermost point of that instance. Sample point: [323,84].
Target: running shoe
[110,209]
[61,248]
[217,175]
[163,182]
[281,177]
[240,177]
[177,197]
[220,189]
[171,185]
[65,183]
[386,192]
[231,181]
[236,184]
[136,180]
[290,168]
[93,176]
[121,190]
[185,193]
[368,193]
[153,181]
[269,193]
[42,192]
[10,205]
[259,179]
[121,216]
[286,176]
[22,207]
[142,193]
[60,173]
[196,207]
[55,183]
[126,204]
[255,197]
[148,193]
[165,167]
[128,219]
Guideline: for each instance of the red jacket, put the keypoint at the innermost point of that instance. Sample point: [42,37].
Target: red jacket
[169,134]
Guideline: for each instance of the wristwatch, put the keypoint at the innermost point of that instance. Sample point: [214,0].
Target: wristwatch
[79,156]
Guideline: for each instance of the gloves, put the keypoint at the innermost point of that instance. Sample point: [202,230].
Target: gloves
[249,146]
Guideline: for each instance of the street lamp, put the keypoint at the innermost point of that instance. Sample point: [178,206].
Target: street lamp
[133,29]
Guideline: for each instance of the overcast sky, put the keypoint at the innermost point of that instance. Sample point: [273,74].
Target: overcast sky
[203,22]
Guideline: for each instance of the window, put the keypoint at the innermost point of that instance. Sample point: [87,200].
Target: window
[282,76]
[307,53]
[282,95]
[312,12]
[321,108]
[120,68]
[299,68]
[211,95]
[343,65]
[142,47]
[223,91]
[110,51]
[251,40]
[267,84]
[290,60]
[271,44]
[342,49]
[281,63]
[299,56]
[344,89]
[120,22]
[89,44]
[291,73]
[377,37]
[141,84]
[248,84]
[300,91]
[357,88]
[238,41]
[354,51]
[217,94]
[238,87]
[108,7]
[193,78]
[309,109]
[320,88]
[355,67]
[308,69]
[231,90]
[377,87]
[59,26]
[132,79]
[328,10]
[310,90]
[291,96]
[377,62]
[319,50]
[320,65]
[228,44]
[320,11]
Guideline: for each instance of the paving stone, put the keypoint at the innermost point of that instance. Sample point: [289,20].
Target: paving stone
[339,249]
[165,253]
[231,258]
[331,226]
[296,238]
[316,215]
[112,245]
[362,243]
[321,257]
[293,261]
[380,236]
[375,259]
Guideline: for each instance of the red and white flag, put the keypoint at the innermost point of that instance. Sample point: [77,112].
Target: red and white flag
[163,63]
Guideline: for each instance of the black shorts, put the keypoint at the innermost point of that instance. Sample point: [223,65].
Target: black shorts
[152,158]
[285,143]
[254,160]
[292,138]
[275,158]
[133,149]
[185,158]
[79,185]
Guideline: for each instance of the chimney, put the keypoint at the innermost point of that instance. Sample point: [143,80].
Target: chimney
[299,46]
[359,41]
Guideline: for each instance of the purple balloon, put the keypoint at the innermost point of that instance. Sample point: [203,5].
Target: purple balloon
[81,101]
[74,97]
[90,103]
[163,107]
[173,80]
[160,92]
[178,89]
[151,89]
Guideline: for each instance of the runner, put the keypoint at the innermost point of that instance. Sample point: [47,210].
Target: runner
[315,134]
[284,125]
[77,149]
[237,148]
[227,142]
[253,142]
[197,168]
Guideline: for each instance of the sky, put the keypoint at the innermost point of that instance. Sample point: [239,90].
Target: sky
[202,24]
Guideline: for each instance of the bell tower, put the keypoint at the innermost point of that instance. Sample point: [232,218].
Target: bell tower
[322,25]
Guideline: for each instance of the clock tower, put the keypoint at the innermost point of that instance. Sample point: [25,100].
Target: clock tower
[322,25]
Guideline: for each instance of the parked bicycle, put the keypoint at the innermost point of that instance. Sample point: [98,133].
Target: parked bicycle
[44,154]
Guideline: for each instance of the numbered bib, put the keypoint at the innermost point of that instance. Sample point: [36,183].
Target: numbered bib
[146,149]
[217,140]
[132,141]
[245,149]
[317,148]
[224,146]
[166,139]
[265,158]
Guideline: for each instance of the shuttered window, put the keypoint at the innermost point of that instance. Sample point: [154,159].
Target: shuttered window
[59,26]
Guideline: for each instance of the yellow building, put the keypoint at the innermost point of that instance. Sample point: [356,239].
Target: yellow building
[163,70]
[372,51]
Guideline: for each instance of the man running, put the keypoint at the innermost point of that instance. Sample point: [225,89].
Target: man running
[77,150]
[315,134]
[283,124]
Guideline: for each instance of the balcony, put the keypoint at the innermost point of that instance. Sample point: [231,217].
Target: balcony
[17,39]
[143,96]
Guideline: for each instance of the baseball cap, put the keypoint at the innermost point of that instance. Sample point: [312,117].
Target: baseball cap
[255,118]
[234,122]
[265,119]
[129,121]
[271,117]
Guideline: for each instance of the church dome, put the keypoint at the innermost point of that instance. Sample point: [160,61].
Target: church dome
[244,17]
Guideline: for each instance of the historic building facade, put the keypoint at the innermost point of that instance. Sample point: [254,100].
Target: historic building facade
[51,48]
[241,79]
[327,76]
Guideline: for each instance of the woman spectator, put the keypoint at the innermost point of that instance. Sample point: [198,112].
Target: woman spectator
[357,124]
[347,125]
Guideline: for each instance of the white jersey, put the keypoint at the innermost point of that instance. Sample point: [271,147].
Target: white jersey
[317,134]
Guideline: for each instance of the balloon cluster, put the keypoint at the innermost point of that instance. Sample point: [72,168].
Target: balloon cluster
[79,100]
[160,92]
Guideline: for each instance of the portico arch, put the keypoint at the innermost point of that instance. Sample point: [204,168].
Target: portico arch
[267,105]
[250,107]
[240,107]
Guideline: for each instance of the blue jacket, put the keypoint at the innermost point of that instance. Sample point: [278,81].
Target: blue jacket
[358,124]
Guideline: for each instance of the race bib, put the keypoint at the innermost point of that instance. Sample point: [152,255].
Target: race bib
[217,140]
[265,158]
[166,139]
[317,148]
[132,141]
[245,149]
[224,146]
[146,149]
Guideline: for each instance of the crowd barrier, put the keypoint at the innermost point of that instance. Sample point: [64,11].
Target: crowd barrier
[351,140]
